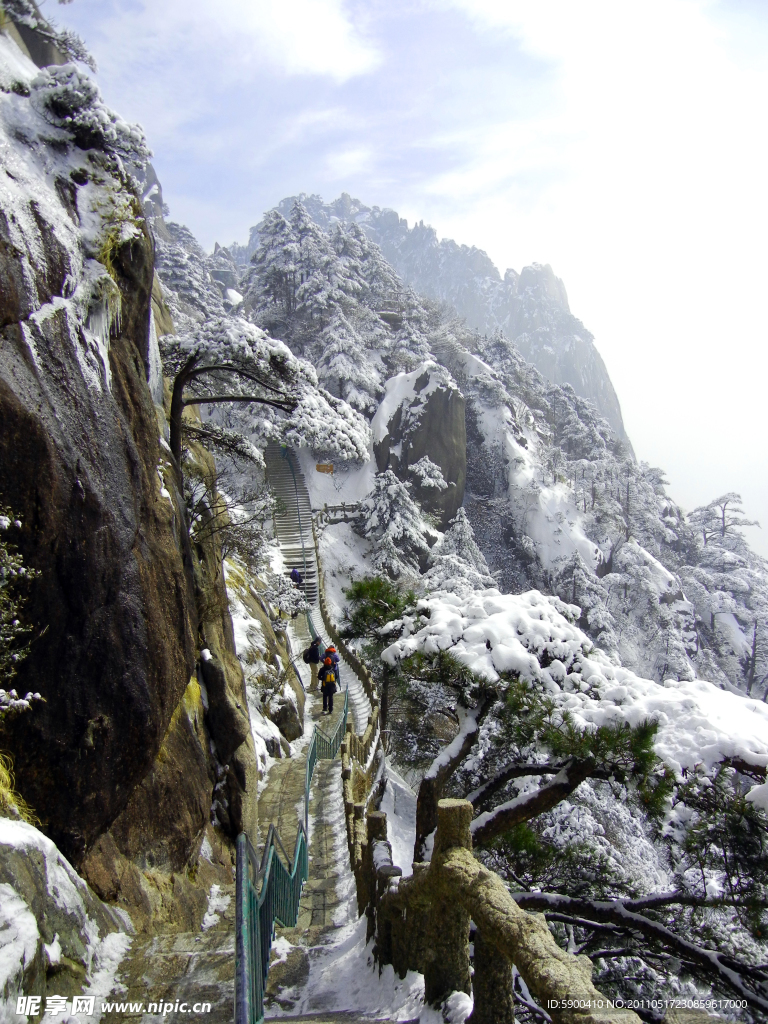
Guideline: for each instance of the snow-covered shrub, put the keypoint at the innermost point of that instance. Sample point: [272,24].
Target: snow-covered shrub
[327,425]
[456,563]
[69,99]
[428,474]
[282,593]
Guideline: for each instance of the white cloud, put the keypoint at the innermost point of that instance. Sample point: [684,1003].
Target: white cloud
[233,38]
[622,143]
[641,180]
[343,163]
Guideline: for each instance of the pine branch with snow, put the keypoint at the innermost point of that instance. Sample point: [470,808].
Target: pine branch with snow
[24,12]
[428,474]
[67,98]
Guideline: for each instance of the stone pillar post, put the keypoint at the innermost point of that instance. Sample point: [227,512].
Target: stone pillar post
[491,986]
[447,956]
[376,822]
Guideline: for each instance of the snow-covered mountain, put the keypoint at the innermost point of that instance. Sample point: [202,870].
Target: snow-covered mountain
[530,308]
[553,638]
[554,493]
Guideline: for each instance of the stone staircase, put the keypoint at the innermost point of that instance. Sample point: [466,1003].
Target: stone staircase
[293,520]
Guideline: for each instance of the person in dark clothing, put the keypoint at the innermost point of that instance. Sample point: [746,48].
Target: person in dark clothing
[313,657]
[328,679]
[333,654]
[296,576]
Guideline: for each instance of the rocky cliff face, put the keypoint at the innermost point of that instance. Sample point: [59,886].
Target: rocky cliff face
[80,462]
[122,760]
[420,434]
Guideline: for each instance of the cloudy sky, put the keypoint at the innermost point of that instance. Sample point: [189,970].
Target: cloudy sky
[622,142]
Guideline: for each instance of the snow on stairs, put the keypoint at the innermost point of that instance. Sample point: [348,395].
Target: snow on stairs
[330,886]
[293,520]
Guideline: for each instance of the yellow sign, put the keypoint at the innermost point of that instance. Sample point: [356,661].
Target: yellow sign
[324,467]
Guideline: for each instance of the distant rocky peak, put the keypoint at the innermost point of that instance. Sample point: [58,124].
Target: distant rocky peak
[542,281]
[530,308]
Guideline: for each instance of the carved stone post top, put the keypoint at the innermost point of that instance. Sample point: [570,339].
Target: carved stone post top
[350,727]
[453,820]
[377,825]
[359,812]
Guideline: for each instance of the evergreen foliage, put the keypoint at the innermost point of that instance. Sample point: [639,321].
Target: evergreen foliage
[455,562]
[68,42]
[376,605]
[394,523]
[227,360]
[69,99]
[15,635]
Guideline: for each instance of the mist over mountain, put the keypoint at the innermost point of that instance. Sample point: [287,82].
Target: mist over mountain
[556,497]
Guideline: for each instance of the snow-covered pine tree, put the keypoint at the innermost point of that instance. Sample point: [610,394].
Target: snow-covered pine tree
[230,361]
[272,281]
[455,562]
[365,264]
[578,585]
[395,525]
[182,266]
[347,367]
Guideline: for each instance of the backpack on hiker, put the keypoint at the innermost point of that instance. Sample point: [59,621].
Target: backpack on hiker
[328,678]
[312,654]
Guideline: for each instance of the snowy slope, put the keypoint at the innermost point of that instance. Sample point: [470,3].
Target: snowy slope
[699,724]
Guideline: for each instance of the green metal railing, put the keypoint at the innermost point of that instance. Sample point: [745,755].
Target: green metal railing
[258,909]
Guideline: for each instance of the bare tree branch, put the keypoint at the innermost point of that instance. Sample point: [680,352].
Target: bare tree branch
[728,971]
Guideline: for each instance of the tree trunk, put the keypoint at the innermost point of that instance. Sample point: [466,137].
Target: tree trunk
[433,785]
[177,408]
[752,660]
[487,826]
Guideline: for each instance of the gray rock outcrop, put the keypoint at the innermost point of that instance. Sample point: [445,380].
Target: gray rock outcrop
[55,932]
[420,434]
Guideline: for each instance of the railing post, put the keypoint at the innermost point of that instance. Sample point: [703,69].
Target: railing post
[491,985]
[243,957]
[447,962]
